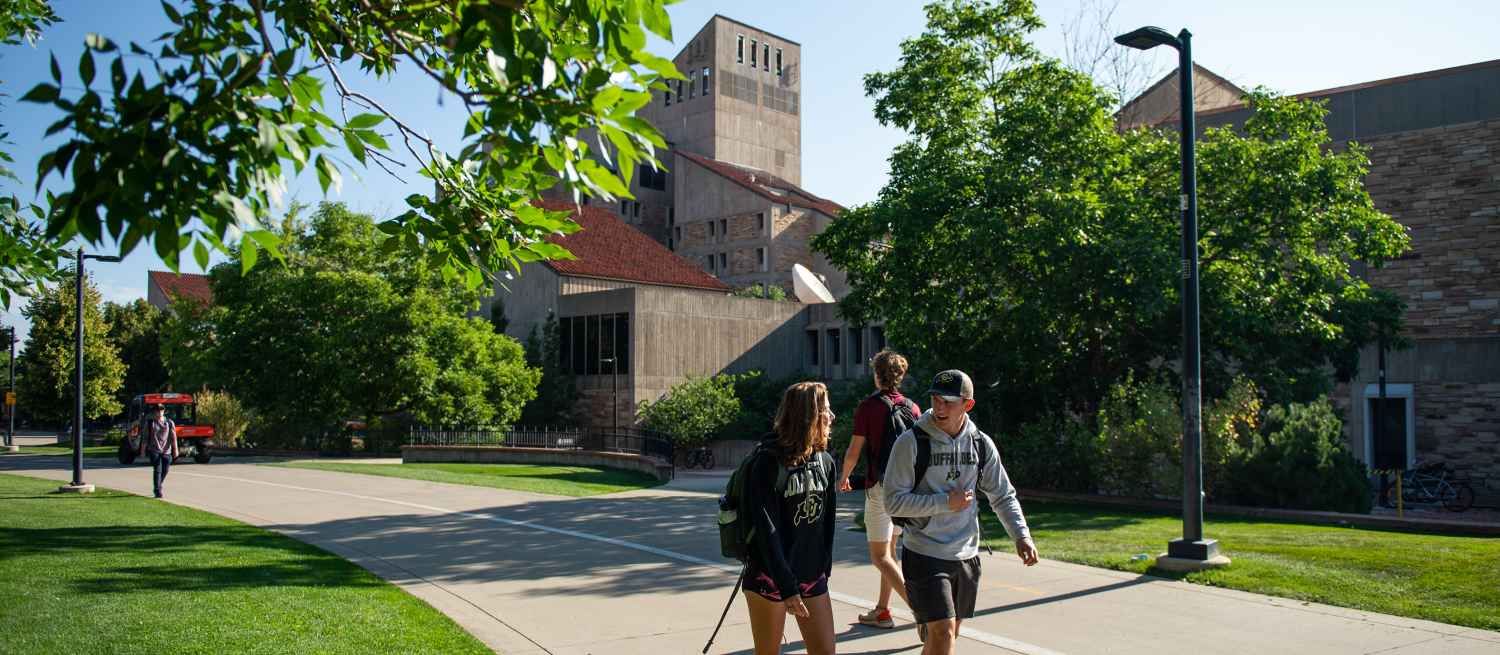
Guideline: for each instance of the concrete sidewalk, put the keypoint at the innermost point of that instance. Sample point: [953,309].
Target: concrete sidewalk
[639,572]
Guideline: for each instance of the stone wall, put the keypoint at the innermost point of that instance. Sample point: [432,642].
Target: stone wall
[1460,424]
[1443,184]
[504,454]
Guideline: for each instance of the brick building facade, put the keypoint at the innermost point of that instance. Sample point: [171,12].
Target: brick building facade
[1432,141]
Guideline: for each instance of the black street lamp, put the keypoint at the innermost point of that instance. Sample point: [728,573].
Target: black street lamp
[1192,551]
[78,486]
[615,408]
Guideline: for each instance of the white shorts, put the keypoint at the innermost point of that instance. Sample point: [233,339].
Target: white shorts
[878,526]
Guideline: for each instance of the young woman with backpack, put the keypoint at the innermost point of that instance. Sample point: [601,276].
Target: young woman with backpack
[878,421]
[792,499]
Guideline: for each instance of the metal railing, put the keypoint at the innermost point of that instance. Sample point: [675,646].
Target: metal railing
[563,437]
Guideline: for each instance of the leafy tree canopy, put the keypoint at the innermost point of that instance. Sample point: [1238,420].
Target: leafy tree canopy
[47,388]
[234,98]
[340,332]
[1025,239]
[135,329]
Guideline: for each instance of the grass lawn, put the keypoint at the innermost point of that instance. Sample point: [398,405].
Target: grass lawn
[112,572]
[540,478]
[1451,579]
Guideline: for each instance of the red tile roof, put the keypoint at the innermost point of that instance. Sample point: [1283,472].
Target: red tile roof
[610,248]
[752,179]
[187,284]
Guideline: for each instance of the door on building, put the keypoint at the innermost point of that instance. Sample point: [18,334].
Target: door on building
[1388,447]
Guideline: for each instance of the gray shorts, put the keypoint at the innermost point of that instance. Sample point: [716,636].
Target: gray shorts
[940,588]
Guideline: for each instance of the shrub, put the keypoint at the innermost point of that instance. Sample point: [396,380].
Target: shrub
[760,397]
[774,292]
[694,411]
[1053,453]
[228,416]
[1300,464]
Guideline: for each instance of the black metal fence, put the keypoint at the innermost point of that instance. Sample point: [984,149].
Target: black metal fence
[562,437]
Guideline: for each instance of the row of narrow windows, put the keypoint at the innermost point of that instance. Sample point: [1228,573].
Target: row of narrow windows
[698,82]
[765,55]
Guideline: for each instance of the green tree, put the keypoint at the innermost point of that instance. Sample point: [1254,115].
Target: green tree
[1298,463]
[1023,238]
[188,144]
[135,329]
[695,410]
[498,319]
[758,291]
[558,388]
[47,388]
[341,331]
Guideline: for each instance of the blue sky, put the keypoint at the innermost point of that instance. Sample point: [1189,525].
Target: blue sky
[1289,46]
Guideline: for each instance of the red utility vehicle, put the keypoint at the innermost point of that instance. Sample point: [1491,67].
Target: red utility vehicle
[192,438]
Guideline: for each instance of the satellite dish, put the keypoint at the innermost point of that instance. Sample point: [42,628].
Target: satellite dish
[807,286]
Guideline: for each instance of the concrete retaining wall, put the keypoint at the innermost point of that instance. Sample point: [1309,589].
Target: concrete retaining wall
[510,455]
[728,453]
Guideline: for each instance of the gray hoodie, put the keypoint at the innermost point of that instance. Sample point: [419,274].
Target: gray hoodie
[937,531]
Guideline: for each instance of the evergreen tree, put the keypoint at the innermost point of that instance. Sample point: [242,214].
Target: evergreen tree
[558,389]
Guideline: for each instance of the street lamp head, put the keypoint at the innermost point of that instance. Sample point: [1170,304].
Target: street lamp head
[105,258]
[1147,38]
[610,360]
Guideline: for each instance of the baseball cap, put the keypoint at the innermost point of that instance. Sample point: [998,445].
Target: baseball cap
[951,385]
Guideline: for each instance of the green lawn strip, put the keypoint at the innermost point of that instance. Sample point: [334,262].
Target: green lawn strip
[112,572]
[539,478]
[1450,579]
[88,451]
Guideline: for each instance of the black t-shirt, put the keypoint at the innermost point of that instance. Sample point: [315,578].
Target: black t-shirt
[793,529]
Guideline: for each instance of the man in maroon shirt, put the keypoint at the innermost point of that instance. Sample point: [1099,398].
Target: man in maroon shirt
[870,420]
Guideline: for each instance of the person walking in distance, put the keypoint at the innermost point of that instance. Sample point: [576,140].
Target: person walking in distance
[878,421]
[159,440]
[934,471]
[793,501]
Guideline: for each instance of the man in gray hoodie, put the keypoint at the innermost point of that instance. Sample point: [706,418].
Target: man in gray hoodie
[941,562]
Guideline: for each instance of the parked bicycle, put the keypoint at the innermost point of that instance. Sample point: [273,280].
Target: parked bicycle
[1426,482]
[692,458]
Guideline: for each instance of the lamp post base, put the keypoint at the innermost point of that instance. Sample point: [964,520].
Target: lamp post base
[9,449]
[1181,564]
[76,489]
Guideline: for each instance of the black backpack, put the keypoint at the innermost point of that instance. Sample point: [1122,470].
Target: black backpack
[924,458]
[898,419]
[736,531]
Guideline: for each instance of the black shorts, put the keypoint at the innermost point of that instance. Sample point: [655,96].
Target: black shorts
[762,584]
[940,588]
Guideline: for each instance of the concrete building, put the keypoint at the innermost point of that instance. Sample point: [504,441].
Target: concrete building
[728,213]
[1432,140]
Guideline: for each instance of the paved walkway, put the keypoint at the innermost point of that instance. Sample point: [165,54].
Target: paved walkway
[639,572]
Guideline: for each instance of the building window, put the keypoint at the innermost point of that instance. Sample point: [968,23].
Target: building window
[739,51]
[677,233]
[877,338]
[760,224]
[668,94]
[760,259]
[778,62]
[712,238]
[653,178]
[765,60]
[724,230]
[672,219]
[855,356]
[692,86]
[812,346]
[624,207]
[636,214]
[752,53]
[587,339]
[705,81]
[723,263]
[679,90]
[710,266]
[833,346]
